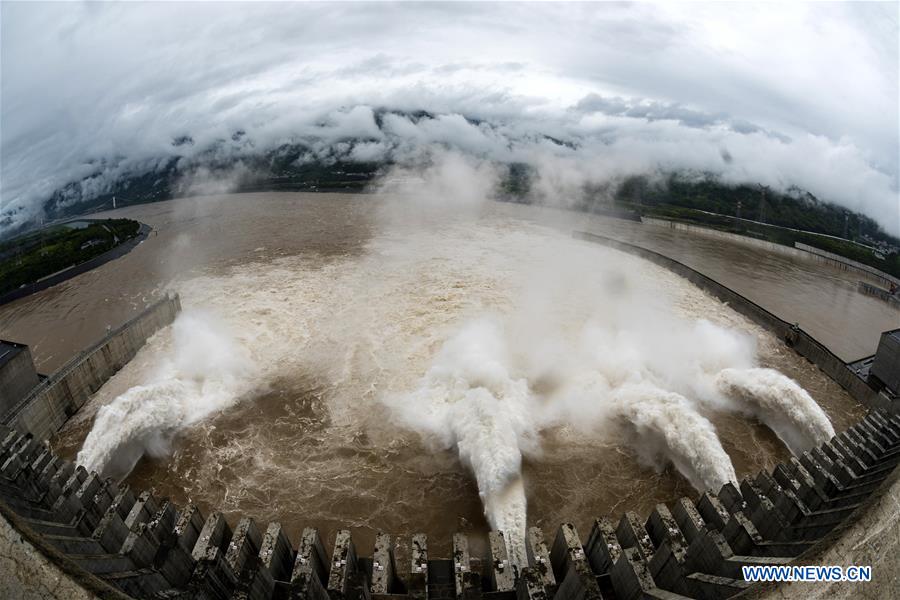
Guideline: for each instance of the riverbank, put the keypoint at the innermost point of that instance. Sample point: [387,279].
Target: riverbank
[57,277]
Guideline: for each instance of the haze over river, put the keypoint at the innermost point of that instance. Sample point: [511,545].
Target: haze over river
[335,353]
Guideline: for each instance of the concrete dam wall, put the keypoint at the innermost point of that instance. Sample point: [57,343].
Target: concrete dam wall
[881,294]
[800,250]
[49,405]
[115,542]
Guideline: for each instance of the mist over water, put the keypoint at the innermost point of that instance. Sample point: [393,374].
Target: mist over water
[780,403]
[206,372]
[481,336]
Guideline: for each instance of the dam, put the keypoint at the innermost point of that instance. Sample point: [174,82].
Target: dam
[174,542]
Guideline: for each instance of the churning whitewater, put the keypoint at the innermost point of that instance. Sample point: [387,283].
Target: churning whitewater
[481,338]
[785,407]
[206,374]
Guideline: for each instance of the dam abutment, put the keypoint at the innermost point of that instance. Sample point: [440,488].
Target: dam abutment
[52,401]
[798,250]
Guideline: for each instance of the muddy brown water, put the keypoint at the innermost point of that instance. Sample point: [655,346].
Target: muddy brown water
[312,447]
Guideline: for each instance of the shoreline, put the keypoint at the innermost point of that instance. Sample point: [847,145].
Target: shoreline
[49,281]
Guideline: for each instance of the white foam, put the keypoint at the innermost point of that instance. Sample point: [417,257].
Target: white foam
[668,425]
[780,403]
[205,371]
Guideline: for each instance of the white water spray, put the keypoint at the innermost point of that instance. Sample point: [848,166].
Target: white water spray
[490,403]
[578,352]
[668,425]
[468,399]
[204,372]
[780,403]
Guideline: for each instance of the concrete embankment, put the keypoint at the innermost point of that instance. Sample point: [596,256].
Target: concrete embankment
[49,405]
[869,537]
[877,292]
[799,251]
[841,262]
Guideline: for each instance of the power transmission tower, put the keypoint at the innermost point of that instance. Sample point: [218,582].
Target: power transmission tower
[762,204]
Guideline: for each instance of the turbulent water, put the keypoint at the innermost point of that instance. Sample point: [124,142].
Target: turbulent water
[205,374]
[781,404]
[288,382]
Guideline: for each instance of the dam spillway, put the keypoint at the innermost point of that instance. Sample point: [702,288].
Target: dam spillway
[436,544]
[322,301]
[343,361]
[111,537]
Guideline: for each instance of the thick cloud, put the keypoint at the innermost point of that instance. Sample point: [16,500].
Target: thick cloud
[795,95]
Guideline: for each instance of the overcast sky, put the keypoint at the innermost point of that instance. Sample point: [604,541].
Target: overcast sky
[781,94]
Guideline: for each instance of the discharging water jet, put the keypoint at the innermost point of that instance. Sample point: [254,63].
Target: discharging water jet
[469,400]
[668,425]
[780,403]
[205,371]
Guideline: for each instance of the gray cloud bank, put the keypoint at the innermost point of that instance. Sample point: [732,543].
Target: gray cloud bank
[795,95]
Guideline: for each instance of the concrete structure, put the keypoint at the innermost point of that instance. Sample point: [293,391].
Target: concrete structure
[17,374]
[48,405]
[26,574]
[877,292]
[886,364]
[801,251]
[869,540]
[847,264]
[98,539]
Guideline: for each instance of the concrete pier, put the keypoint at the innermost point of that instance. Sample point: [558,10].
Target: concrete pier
[539,560]
[310,573]
[343,565]
[503,575]
[570,566]
[383,565]
[116,540]
[417,582]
